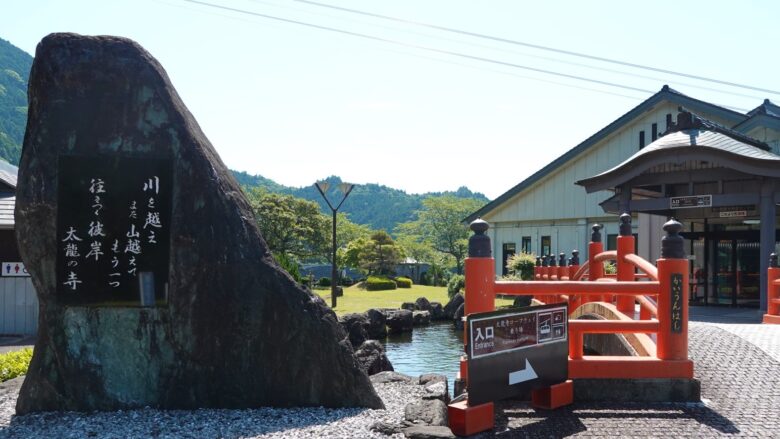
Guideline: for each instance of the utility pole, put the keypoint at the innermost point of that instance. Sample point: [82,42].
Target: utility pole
[345,189]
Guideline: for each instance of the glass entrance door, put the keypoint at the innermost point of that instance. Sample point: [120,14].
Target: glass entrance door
[735,270]
[748,273]
[723,280]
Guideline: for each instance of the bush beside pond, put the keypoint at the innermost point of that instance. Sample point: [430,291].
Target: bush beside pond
[379,283]
[403,282]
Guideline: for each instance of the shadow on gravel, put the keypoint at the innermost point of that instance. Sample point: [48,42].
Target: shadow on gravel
[174,423]
[515,419]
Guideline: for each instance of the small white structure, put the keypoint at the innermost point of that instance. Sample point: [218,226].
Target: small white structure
[18,300]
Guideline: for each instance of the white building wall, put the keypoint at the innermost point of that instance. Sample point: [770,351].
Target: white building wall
[555,206]
[18,306]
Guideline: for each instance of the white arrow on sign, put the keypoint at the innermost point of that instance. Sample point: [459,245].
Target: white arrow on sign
[520,376]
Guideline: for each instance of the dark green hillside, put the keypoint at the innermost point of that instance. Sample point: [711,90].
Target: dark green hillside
[377,206]
[14,73]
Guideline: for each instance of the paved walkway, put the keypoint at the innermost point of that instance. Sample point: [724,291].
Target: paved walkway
[737,361]
[738,364]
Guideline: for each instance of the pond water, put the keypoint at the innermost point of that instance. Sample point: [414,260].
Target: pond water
[428,349]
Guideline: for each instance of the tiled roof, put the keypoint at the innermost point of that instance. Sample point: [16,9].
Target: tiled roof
[8,173]
[768,108]
[705,142]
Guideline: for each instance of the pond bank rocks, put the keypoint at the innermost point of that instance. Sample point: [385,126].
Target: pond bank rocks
[424,418]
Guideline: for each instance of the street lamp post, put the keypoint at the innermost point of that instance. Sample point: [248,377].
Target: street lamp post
[345,189]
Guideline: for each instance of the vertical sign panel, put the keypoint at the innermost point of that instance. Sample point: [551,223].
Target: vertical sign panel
[677,298]
[113,223]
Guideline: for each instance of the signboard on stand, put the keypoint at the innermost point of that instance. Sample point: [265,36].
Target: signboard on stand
[511,352]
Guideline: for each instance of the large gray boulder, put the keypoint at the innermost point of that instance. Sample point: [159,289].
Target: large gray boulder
[222,325]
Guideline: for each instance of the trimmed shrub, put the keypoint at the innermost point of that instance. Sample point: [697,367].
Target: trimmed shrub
[14,364]
[403,282]
[379,283]
[610,267]
[522,265]
[456,283]
[324,282]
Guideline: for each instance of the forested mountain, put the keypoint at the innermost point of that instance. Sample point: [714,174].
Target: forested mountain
[14,73]
[377,206]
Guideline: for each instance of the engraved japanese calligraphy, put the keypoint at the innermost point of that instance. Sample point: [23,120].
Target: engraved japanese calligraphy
[677,298]
[112,225]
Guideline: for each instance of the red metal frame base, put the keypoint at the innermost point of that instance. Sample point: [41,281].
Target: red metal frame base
[771,319]
[466,420]
[629,367]
[553,397]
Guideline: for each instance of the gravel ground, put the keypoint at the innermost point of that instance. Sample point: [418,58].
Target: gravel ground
[314,422]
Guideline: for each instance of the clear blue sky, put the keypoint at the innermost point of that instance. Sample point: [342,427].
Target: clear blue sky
[296,104]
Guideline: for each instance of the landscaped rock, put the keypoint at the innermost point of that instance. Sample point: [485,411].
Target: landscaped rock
[437,390]
[426,412]
[452,306]
[428,378]
[522,301]
[355,325]
[423,304]
[409,306]
[213,321]
[391,377]
[437,311]
[372,358]
[428,432]
[435,386]
[377,324]
[400,321]
[421,318]
[458,319]
[385,428]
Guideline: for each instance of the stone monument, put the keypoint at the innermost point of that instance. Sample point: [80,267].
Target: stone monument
[155,285]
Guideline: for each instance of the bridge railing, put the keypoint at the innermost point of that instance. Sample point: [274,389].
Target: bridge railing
[662,299]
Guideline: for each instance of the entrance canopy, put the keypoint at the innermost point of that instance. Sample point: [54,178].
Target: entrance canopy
[702,173]
[697,164]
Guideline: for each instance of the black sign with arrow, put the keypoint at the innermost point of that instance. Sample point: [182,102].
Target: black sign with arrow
[515,350]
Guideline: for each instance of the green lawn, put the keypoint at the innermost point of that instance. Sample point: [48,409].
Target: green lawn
[357,300]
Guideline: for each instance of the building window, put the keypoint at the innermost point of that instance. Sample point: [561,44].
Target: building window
[546,246]
[668,121]
[641,139]
[655,132]
[526,245]
[509,250]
